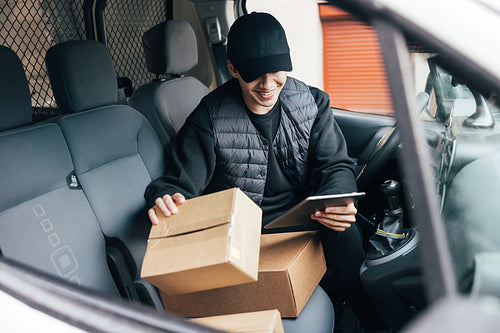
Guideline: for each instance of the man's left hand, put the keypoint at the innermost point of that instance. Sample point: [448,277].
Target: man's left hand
[337,218]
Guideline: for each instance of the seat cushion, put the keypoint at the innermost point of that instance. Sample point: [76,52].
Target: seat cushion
[167,104]
[116,155]
[45,222]
[317,316]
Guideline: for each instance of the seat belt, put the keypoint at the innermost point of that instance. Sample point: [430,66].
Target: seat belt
[218,49]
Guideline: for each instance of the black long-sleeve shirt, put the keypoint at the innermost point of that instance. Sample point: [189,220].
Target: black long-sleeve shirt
[192,159]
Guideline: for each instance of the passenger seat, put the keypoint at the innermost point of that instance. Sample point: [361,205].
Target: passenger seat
[170,49]
[115,152]
[46,221]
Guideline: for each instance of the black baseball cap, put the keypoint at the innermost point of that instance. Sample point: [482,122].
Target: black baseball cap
[256,45]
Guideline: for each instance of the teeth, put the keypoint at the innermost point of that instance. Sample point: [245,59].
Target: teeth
[266,93]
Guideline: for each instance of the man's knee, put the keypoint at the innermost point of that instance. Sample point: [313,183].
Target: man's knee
[346,243]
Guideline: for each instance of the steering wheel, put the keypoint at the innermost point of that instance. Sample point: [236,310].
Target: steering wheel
[384,150]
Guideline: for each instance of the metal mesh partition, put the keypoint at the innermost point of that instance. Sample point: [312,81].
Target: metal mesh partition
[30,28]
[126,21]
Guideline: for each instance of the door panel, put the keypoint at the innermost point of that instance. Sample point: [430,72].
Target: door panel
[362,131]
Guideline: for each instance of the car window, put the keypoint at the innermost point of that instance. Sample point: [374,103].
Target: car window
[337,53]
[462,132]
[446,91]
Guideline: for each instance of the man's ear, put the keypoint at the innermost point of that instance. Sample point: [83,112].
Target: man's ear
[232,69]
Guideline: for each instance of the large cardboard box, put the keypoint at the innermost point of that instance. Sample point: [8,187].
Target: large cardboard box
[251,322]
[212,242]
[290,267]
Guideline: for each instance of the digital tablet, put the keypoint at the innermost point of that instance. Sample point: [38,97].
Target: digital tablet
[301,213]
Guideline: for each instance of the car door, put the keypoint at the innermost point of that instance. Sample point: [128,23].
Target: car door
[362,131]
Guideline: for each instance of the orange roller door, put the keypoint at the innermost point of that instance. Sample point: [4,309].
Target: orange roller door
[354,74]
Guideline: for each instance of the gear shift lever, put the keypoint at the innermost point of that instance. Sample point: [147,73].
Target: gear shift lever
[389,234]
[390,190]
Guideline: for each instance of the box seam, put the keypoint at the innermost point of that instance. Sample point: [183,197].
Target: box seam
[299,252]
[293,293]
[192,231]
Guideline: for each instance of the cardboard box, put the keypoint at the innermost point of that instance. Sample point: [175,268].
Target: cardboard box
[212,242]
[291,265]
[254,322]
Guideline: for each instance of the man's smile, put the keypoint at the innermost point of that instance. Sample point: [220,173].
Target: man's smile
[269,94]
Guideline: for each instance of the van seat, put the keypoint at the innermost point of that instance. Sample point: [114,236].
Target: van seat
[170,51]
[45,221]
[115,151]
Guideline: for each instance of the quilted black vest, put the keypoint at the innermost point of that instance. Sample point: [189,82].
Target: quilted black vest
[242,152]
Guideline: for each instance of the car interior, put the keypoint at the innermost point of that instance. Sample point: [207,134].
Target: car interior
[167,103]
[83,207]
[93,92]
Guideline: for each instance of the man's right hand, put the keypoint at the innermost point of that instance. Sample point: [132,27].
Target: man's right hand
[167,205]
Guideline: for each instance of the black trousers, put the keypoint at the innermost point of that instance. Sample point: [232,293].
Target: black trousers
[344,255]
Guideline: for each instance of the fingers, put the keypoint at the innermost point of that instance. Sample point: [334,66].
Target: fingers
[152,216]
[167,205]
[332,224]
[337,218]
[350,209]
[178,198]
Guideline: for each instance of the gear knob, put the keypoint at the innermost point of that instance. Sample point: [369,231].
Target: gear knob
[390,190]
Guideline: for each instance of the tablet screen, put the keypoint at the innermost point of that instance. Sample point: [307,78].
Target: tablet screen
[301,213]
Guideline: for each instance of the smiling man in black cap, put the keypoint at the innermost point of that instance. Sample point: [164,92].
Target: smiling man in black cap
[275,138]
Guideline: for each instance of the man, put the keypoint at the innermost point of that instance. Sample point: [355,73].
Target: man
[272,136]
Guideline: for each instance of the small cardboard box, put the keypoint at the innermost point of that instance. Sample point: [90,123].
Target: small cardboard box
[212,242]
[291,265]
[255,322]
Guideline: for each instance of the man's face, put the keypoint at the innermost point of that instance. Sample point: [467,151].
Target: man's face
[262,94]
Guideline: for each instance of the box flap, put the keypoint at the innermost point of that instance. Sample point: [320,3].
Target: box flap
[174,254]
[197,214]
[246,234]
[306,271]
[195,261]
[277,251]
[271,291]
[275,287]
[259,321]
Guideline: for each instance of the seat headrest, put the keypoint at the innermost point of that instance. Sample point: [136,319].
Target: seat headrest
[15,98]
[170,47]
[82,75]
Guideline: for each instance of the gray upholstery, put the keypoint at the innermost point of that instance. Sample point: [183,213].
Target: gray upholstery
[170,48]
[167,104]
[317,316]
[43,222]
[116,155]
[114,149]
[68,65]
[14,91]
